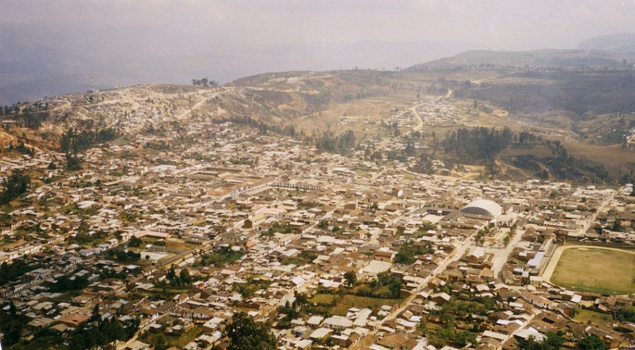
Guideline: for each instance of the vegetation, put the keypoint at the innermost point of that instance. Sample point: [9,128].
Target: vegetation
[183,279]
[476,144]
[580,91]
[279,228]
[385,286]
[592,343]
[204,82]
[626,314]
[135,242]
[351,278]
[101,332]
[22,148]
[408,252]
[73,142]
[553,341]
[225,255]
[14,186]
[247,290]
[590,317]
[67,283]
[458,321]
[332,143]
[11,324]
[124,256]
[10,272]
[599,277]
[244,333]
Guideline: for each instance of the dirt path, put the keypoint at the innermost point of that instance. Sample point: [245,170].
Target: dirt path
[553,261]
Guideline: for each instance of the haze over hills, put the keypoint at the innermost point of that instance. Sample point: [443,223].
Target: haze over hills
[52,60]
[564,59]
[622,42]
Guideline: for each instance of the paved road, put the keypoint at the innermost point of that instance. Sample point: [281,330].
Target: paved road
[502,255]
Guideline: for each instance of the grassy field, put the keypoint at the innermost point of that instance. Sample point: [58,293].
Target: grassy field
[592,317]
[596,270]
[348,301]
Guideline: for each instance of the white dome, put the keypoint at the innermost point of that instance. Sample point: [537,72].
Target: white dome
[483,207]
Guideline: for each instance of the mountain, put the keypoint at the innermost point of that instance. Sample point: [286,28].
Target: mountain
[548,58]
[620,43]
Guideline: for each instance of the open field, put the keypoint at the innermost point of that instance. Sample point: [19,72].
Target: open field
[594,318]
[343,303]
[349,301]
[596,269]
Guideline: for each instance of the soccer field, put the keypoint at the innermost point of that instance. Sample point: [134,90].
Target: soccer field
[596,270]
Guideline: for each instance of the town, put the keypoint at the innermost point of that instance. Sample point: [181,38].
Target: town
[170,232]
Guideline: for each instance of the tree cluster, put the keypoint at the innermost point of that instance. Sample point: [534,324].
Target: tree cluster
[247,290]
[96,332]
[244,333]
[263,128]
[291,311]
[626,314]
[22,148]
[204,82]
[11,324]
[73,142]
[332,143]
[408,252]
[385,279]
[477,144]
[553,341]
[11,272]
[224,256]
[32,120]
[182,279]
[592,342]
[14,186]
[121,255]
[565,166]
[66,283]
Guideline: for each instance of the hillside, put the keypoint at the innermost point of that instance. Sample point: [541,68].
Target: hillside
[588,110]
[620,43]
[537,59]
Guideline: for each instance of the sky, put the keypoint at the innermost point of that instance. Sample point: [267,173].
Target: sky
[61,44]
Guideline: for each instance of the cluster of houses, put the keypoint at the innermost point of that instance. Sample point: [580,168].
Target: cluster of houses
[247,210]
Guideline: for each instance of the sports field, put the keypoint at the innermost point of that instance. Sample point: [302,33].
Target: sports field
[592,269]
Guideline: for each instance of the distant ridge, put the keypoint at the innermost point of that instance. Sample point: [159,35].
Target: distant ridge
[619,43]
[548,58]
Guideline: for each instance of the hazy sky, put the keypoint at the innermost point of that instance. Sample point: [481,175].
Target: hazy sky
[500,24]
[138,41]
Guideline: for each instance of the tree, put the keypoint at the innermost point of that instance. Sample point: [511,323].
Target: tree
[135,242]
[553,341]
[185,277]
[95,316]
[13,327]
[245,334]
[351,278]
[592,343]
[160,342]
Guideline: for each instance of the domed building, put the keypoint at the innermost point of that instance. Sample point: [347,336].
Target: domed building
[483,207]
